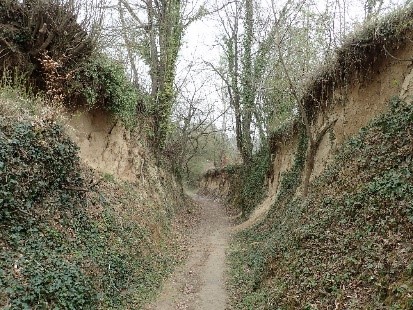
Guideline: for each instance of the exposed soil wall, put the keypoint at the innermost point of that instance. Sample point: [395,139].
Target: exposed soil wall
[352,106]
[364,98]
[283,159]
[107,146]
[349,107]
[216,183]
[337,234]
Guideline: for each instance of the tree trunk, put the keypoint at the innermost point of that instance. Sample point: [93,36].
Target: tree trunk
[248,94]
[311,153]
[309,165]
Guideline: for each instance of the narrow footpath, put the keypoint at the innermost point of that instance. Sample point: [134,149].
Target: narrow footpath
[199,284]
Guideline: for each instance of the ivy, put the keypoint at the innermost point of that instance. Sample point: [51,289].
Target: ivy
[351,235]
[36,161]
[37,165]
[291,179]
[103,84]
[251,184]
[63,248]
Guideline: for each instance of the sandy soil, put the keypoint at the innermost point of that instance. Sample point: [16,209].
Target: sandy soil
[257,215]
[199,284]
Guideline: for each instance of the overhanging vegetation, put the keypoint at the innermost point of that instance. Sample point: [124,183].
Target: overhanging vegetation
[359,55]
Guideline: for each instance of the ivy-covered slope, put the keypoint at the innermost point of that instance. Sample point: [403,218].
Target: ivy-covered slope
[349,244]
[71,238]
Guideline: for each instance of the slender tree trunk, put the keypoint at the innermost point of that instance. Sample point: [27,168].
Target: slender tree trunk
[128,45]
[313,146]
[309,165]
[233,71]
[154,60]
[248,94]
[164,54]
[314,140]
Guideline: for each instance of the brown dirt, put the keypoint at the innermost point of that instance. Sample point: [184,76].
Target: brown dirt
[258,214]
[199,283]
[105,144]
[361,101]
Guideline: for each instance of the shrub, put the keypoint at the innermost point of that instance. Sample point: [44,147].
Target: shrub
[252,182]
[44,42]
[30,29]
[103,84]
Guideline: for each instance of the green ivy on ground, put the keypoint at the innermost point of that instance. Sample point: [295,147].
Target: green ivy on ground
[349,243]
[66,248]
[37,166]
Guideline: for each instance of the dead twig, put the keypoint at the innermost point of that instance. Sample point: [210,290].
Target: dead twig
[394,57]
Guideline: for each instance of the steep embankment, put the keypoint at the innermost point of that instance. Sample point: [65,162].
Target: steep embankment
[72,237]
[107,146]
[348,245]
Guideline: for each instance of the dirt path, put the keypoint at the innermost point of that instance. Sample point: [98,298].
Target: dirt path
[199,284]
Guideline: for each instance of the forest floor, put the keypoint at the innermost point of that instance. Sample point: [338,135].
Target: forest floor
[199,283]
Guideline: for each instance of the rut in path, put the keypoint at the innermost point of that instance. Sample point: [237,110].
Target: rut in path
[199,284]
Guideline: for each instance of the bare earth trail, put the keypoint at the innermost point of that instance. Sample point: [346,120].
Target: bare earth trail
[199,284]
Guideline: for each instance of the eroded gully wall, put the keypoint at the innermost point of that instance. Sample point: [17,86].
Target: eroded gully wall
[352,106]
[215,183]
[108,147]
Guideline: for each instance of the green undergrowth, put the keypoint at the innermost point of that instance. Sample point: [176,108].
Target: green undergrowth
[348,245]
[103,84]
[66,240]
[253,181]
[246,183]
